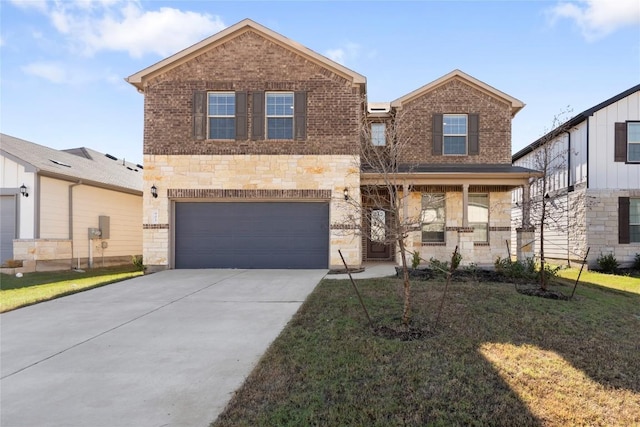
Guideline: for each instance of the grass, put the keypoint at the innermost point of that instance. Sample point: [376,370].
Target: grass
[497,358]
[623,283]
[32,288]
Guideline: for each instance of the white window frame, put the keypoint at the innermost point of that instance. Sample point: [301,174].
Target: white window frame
[221,116]
[634,142]
[279,116]
[446,134]
[434,216]
[379,134]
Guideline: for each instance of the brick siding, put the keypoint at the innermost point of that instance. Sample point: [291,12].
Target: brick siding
[250,63]
[455,97]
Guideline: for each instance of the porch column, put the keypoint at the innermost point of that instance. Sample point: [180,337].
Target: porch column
[525,241]
[465,205]
[526,205]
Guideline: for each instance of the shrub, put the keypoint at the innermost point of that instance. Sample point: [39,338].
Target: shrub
[636,263]
[608,263]
[415,261]
[516,269]
[136,260]
[439,267]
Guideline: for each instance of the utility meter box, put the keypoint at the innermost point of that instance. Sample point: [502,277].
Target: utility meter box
[94,233]
[103,225]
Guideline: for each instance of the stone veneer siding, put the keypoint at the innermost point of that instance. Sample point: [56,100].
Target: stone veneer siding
[600,208]
[482,254]
[219,178]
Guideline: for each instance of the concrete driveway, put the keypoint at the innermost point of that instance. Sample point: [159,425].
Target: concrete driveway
[167,349]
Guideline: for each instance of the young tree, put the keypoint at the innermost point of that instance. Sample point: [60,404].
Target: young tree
[548,204]
[383,209]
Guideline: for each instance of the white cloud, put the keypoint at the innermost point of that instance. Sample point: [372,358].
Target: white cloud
[71,74]
[597,18]
[344,54]
[51,71]
[123,25]
[39,5]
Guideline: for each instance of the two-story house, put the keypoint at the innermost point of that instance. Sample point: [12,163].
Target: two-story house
[597,184]
[251,158]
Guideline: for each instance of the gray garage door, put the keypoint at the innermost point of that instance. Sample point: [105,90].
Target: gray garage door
[7,226]
[252,235]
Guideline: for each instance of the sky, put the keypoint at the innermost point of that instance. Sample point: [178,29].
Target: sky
[63,62]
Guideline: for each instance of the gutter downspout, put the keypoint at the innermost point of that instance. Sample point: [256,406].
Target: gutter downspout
[71,220]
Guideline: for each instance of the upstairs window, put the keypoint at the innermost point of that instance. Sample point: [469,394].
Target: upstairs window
[633,140]
[454,128]
[433,218]
[221,110]
[378,134]
[279,115]
[627,142]
[455,134]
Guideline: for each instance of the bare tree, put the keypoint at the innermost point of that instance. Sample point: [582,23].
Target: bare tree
[548,204]
[383,209]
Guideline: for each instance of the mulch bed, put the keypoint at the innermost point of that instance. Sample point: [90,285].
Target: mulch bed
[523,286]
[402,333]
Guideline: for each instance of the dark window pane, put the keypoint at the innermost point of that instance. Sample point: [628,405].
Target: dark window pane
[279,128]
[455,145]
[222,128]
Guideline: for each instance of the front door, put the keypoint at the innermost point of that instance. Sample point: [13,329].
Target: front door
[377,248]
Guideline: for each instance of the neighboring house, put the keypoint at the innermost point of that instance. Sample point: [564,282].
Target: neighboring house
[599,182]
[51,201]
[251,143]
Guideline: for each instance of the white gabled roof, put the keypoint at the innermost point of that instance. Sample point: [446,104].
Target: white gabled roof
[231,32]
[84,164]
[516,104]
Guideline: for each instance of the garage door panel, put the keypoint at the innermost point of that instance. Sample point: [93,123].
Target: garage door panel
[252,235]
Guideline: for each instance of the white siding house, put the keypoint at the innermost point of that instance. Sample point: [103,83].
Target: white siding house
[598,183]
[49,199]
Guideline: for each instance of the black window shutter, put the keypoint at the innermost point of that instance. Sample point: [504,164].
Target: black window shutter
[200,115]
[257,116]
[437,141]
[620,151]
[623,220]
[473,134]
[241,116]
[300,115]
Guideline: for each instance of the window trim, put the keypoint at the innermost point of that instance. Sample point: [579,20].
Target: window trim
[444,218]
[267,116]
[220,116]
[445,134]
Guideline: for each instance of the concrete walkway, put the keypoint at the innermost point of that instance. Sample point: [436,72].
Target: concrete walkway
[167,349]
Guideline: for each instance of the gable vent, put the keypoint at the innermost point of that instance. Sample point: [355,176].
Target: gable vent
[379,107]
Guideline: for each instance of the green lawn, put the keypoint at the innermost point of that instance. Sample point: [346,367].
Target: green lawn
[497,358]
[16,292]
[623,283]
